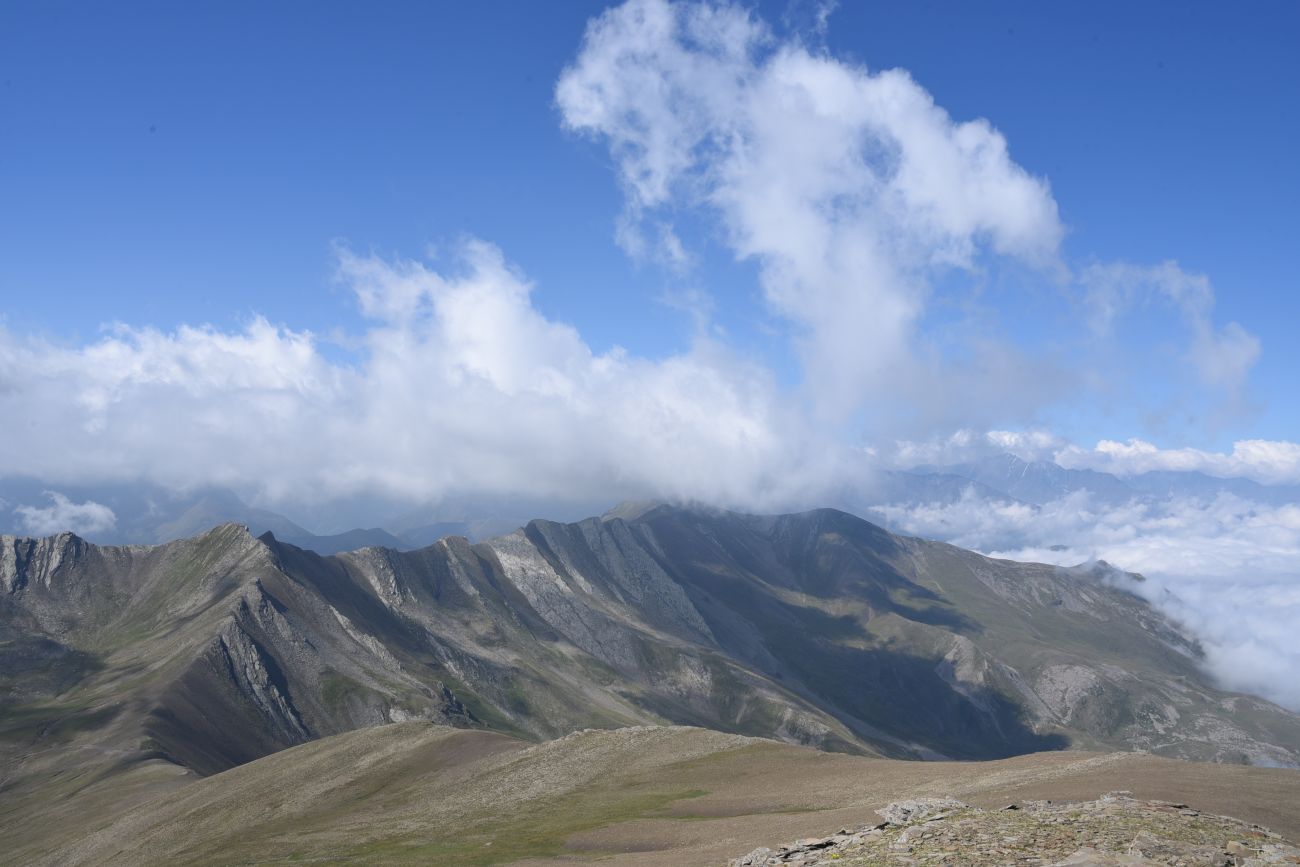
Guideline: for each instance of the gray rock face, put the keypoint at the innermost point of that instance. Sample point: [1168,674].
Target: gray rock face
[24,560]
[254,675]
[918,810]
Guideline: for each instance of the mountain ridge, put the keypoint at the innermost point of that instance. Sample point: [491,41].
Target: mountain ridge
[816,627]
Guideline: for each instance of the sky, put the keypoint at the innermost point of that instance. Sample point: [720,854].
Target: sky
[165,165]
[849,227]
[748,255]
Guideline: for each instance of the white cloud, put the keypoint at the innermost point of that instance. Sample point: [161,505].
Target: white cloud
[850,188]
[1222,357]
[460,385]
[1270,462]
[63,514]
[965,444]
[1228,568]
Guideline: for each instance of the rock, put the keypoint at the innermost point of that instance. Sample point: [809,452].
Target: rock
[1090,857]
[915,810]
[1114,831]
[1166,851]
[758,856]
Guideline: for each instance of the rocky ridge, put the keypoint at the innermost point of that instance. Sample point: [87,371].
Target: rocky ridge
[817,628]
[1114,830]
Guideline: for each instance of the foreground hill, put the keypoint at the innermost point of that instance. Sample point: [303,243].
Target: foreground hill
[417,793]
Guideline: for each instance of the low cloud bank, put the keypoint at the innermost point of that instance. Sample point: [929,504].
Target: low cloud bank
[1268,462]
[460,385]
[1226,567]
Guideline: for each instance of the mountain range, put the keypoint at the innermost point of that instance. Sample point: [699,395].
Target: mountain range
[154,665]
[816,628]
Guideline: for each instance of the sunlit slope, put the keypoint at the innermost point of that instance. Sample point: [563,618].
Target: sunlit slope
[416,793]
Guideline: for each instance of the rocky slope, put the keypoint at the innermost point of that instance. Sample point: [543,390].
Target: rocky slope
[1111,831]
[816,628]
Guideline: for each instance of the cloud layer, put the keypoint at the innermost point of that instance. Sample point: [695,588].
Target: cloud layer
[460,385]
[1270,462]
[1226,567]
[852,191]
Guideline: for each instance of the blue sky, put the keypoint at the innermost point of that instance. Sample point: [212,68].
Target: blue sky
[163,165]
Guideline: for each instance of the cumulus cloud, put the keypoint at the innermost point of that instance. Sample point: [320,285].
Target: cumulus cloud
[1270,462]
[1226,567]
[459,384]
[849,187]
[63,514]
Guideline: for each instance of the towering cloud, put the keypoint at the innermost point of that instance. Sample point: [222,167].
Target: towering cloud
[850,188]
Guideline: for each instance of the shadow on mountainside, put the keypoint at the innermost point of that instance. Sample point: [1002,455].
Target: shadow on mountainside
[787,624]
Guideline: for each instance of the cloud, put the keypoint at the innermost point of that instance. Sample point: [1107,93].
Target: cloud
[63,514]
[458,384]
[1226,567]
[966,444]
[1270,462]
[852,191]
[850,188]
[1222,357]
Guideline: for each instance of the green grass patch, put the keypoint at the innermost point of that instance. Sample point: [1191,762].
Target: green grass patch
[539,830]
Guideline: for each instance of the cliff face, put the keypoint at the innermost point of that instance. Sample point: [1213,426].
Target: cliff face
[816,628]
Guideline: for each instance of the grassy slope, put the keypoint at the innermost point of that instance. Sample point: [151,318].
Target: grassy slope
[415,793]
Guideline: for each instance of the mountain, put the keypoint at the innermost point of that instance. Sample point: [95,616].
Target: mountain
[1040,482]
[148,514]
[128,672]
[817,628]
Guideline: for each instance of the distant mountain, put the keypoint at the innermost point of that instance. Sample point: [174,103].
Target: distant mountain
[1040,482]
[148,514]
[816,628]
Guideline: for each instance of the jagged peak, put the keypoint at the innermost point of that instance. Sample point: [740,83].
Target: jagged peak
[63,537]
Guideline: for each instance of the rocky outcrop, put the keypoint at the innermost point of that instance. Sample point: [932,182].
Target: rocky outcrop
[1114,830]
[26,560]
[260,682]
